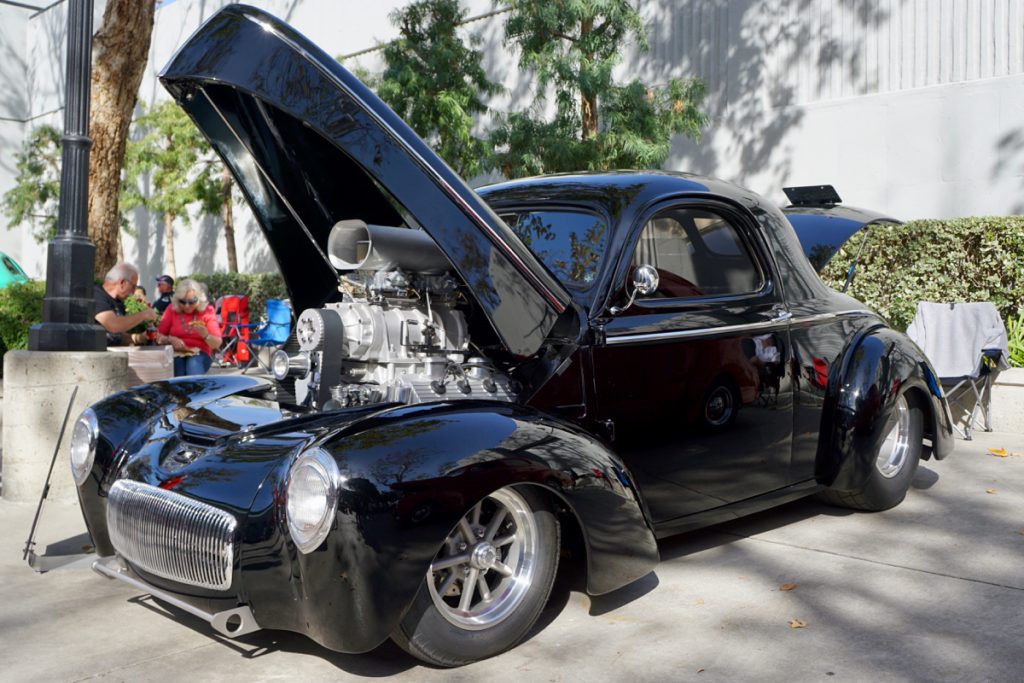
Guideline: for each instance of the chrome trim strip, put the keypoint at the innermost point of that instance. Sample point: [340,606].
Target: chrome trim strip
[172,536]
[240,617]
[651,337]
[496,239]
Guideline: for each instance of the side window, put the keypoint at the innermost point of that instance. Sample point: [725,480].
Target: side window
[697,253]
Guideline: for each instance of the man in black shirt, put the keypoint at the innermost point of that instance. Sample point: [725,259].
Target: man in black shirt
[164,285]
[118,285]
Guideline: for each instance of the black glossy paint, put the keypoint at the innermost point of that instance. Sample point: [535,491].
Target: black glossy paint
[610,430]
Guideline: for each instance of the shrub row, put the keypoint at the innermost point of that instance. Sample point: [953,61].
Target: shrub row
[955,260]
[21,307]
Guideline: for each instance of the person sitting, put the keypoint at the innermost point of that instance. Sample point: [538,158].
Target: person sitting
[119,284]
[165,288]
[190,326]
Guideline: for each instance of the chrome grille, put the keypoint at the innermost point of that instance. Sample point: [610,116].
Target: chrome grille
[172,536]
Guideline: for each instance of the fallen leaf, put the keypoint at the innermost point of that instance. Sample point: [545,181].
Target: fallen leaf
[990,490]
[998,452]
[796,623]
[700,671]
[1021,532]
[787,586]
[699,601]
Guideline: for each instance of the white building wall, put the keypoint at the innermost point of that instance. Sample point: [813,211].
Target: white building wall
[906,106]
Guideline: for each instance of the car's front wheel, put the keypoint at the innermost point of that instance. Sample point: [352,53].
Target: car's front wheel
[488,583]
[893,463]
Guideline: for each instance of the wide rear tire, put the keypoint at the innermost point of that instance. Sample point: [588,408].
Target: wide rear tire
[893,465]
[487,584]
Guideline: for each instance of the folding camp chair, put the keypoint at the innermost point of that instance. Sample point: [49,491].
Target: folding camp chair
[272,332]
[966,344]
[234,316]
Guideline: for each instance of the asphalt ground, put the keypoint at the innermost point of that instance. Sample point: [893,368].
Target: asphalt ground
[930,591]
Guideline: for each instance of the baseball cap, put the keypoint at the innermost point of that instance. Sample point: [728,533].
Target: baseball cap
[166,278]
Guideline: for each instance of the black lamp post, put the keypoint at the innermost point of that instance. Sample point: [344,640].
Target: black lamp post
[68,307]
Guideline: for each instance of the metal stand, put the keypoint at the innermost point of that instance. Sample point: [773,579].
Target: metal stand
[45,563]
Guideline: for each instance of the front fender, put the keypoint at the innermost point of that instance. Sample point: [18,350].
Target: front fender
[879,365]
[410,474]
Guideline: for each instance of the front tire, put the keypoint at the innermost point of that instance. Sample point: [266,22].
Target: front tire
[487,584]
[893,465]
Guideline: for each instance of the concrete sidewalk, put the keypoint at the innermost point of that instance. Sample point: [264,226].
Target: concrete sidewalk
[930,591]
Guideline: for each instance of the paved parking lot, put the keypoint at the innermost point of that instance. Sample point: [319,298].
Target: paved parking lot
[930,591]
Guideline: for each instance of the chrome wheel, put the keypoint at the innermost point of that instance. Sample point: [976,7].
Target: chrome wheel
[892,455]
[487,563]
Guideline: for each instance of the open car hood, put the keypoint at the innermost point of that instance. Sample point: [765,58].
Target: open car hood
[310,145]
[823,230]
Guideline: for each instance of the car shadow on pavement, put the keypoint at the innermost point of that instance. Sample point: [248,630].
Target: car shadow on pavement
[387,659]
[710,537]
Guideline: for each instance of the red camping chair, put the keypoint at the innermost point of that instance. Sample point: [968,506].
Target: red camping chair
[234,315]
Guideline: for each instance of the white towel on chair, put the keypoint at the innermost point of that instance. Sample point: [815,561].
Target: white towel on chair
[954,336]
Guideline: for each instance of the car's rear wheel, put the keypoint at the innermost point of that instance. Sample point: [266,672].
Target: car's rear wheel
[487,584]
[893,465]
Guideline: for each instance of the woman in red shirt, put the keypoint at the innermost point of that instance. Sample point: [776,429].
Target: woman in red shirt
[190,325]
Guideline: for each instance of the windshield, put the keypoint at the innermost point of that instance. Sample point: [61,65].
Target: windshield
[569,242]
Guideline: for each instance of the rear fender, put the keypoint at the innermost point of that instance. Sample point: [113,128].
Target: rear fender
[879,365]
[411,473]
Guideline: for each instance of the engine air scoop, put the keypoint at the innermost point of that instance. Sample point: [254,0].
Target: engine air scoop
[354,245]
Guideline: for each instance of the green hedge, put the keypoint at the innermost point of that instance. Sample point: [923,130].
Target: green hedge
[21,307]
[257,286]
[963,259]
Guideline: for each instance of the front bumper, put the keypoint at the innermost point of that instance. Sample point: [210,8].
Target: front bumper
[231,623]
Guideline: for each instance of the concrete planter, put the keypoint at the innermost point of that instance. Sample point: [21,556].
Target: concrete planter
[37,386]
[1008,402]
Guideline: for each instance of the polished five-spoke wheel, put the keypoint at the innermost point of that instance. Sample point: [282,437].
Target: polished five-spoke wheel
[488,582]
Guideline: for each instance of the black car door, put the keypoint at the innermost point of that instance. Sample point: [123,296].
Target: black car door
[691,381]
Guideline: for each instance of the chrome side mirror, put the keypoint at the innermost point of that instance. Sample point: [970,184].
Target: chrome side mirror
[645,281]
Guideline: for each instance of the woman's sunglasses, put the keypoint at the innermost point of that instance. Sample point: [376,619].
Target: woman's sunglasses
[193,300]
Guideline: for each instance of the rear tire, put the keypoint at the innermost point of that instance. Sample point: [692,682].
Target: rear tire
[893,466]
[504,554]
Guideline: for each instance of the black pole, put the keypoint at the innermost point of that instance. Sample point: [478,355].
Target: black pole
[68,307]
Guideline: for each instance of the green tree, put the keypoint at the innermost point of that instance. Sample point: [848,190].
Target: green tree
[172,154]
[435,82]
[573,47]
[36,191]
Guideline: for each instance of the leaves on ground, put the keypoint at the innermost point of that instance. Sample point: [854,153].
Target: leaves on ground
[999,452]
[990,491]
[787,586]
[797,623]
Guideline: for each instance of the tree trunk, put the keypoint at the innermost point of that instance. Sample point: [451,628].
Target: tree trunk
[170,268]
[228,214]
[120,49]
[588,104]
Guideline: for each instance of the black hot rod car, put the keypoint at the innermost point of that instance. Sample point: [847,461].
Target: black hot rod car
[478,377]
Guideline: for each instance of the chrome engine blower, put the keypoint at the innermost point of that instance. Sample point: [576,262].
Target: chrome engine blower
[397,335]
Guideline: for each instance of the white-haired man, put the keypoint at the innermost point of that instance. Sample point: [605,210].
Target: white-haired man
[118,285]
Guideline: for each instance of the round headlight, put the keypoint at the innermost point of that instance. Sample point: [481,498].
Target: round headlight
[83,445]
[312,498]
